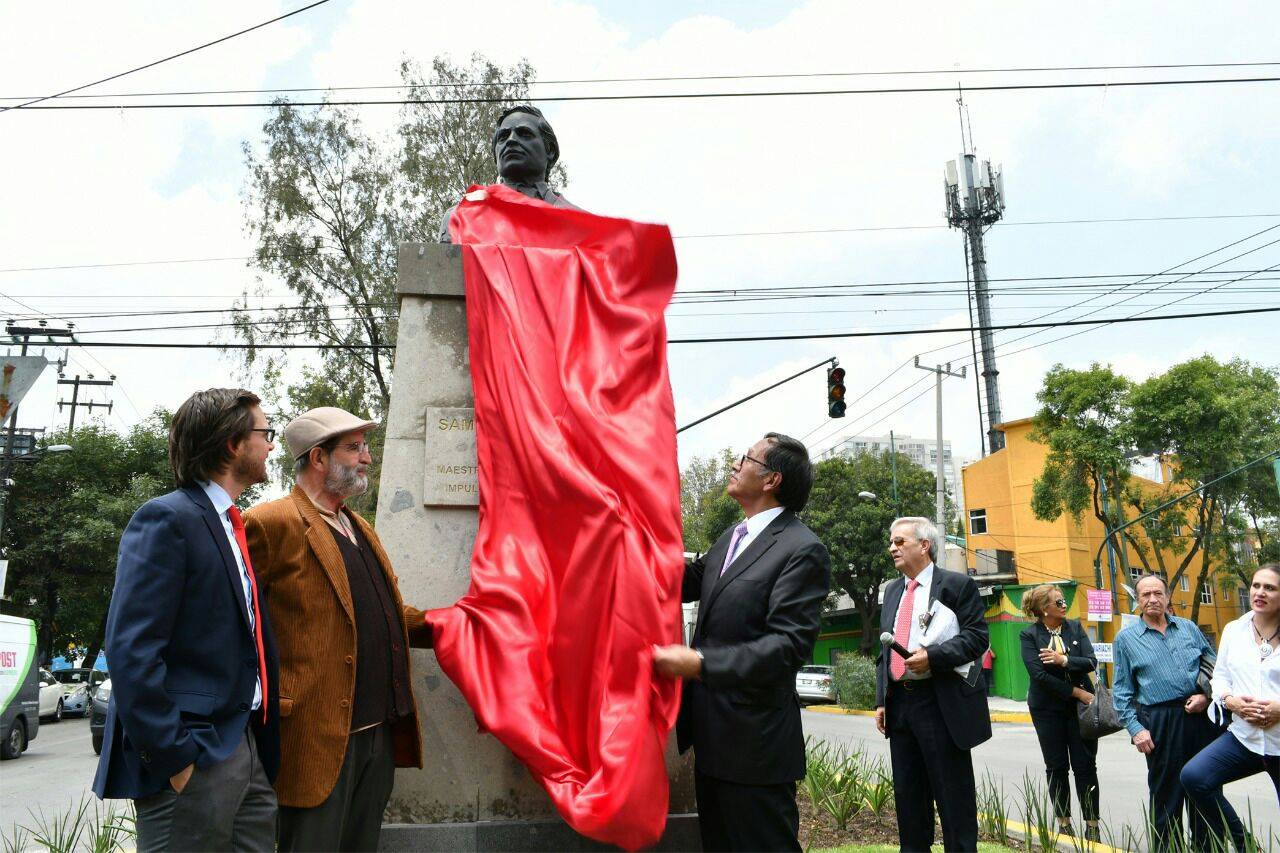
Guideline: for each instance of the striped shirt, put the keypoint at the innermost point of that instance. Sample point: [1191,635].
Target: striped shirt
[1152,667]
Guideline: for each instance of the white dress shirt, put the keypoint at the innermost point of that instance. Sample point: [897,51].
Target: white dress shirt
[755,526]
[221,503]
[1242,671]
[919,607]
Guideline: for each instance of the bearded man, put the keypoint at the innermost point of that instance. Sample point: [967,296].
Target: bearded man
[348,717]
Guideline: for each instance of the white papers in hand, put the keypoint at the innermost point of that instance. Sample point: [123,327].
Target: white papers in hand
[942,626]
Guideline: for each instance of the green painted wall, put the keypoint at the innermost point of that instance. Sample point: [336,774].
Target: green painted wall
[838,634]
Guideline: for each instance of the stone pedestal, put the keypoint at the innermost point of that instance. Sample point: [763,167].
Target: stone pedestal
[472,792]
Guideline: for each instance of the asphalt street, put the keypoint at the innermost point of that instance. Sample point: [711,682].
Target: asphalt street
[57,770]
[1013,750]
[53,774]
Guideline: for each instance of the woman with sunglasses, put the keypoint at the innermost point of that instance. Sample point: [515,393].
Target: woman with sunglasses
[1246,681]
[1059,658]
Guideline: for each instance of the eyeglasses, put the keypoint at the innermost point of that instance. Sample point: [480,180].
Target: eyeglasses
[1060,603]
[744,459]
[353,446]
[268,432]
[900,541]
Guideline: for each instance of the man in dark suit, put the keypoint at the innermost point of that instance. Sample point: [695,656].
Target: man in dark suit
[192,726]
[931,713]
[760,588]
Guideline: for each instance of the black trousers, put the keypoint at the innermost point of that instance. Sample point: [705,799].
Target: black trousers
[1065,752]
[1178,736]
[350,818]
[928,767]
[225,806]
[746,817]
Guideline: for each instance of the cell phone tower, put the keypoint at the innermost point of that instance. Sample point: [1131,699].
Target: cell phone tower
[975,201]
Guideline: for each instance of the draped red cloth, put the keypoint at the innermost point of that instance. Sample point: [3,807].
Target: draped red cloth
[577,564]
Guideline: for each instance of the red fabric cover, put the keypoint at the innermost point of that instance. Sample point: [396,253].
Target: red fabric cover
[578,560]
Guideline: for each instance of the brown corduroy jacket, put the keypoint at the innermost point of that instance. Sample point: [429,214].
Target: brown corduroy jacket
[304,585]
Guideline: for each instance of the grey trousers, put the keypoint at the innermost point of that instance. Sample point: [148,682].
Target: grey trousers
[350,818]
[228,806]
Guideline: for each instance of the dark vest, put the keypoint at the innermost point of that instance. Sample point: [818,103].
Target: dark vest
[382,692]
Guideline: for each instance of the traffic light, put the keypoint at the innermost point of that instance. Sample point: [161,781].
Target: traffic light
[835,392]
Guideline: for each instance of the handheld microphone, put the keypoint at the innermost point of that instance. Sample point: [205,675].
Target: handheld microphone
[887,640]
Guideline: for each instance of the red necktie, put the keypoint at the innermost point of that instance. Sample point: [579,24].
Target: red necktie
[902,630]
[237,525]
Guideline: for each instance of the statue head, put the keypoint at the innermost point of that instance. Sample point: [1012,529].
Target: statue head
[524,145]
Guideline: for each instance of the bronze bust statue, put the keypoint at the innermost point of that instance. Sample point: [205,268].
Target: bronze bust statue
[525,149]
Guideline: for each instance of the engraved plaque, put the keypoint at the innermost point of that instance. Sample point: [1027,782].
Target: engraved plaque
[451,477]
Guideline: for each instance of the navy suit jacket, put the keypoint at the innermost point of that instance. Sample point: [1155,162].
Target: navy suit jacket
[757,624]
[182,658]
[963,701]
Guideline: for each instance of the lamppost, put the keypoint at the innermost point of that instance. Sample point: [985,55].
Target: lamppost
[6,483]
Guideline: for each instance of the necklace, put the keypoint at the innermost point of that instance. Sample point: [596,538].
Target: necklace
[1264,646]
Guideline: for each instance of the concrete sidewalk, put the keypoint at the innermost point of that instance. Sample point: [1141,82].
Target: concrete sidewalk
[1002,710]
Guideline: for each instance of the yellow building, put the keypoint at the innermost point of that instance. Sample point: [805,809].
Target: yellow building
[1010,551]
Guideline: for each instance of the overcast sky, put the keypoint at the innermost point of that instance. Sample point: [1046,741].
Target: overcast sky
[116,187]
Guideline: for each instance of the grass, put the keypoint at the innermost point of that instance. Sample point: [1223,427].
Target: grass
[983,847]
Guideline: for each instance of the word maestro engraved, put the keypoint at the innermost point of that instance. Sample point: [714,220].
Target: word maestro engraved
[451,477]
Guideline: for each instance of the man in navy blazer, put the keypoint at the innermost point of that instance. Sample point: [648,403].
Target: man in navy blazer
[191,733]
[932,715]
[760,591]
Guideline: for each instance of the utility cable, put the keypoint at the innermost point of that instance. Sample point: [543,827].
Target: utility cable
[28,104]
[668,79]
[661,96]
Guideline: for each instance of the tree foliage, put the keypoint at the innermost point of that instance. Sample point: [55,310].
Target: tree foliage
[1204,416]
[327,204]
[856,530]
[67,513]
[705,510]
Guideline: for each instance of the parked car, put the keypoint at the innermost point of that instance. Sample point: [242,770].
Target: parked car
[98,716]
[78,686]
[814,684]
[50,697]
[19,686]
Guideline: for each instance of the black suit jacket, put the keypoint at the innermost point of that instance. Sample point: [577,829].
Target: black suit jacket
[183,660]
[1051,686]
[963,702]
[756,627]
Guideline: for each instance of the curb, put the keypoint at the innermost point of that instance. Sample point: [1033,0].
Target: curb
[996,716]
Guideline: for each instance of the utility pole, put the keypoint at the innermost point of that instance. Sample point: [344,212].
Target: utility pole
[75,396]
[940,371]
[975,201]
[26,333]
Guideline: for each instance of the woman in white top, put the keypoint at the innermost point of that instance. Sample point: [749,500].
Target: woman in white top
[1246,679]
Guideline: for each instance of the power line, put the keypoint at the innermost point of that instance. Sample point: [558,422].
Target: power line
[744,339]
[1003,327]
[725,234]
[667,79]
[665,96]
[186,52]
[1003,346]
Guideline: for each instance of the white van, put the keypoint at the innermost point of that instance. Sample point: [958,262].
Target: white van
[19,685]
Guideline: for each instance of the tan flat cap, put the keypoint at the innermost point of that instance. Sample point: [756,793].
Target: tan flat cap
[315,427]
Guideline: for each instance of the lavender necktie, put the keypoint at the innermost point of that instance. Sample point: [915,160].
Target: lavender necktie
[738,532]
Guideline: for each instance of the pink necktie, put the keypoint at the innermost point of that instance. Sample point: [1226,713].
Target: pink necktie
[738,533]
[902,630]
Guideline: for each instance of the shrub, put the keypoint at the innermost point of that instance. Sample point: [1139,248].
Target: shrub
[855,682]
